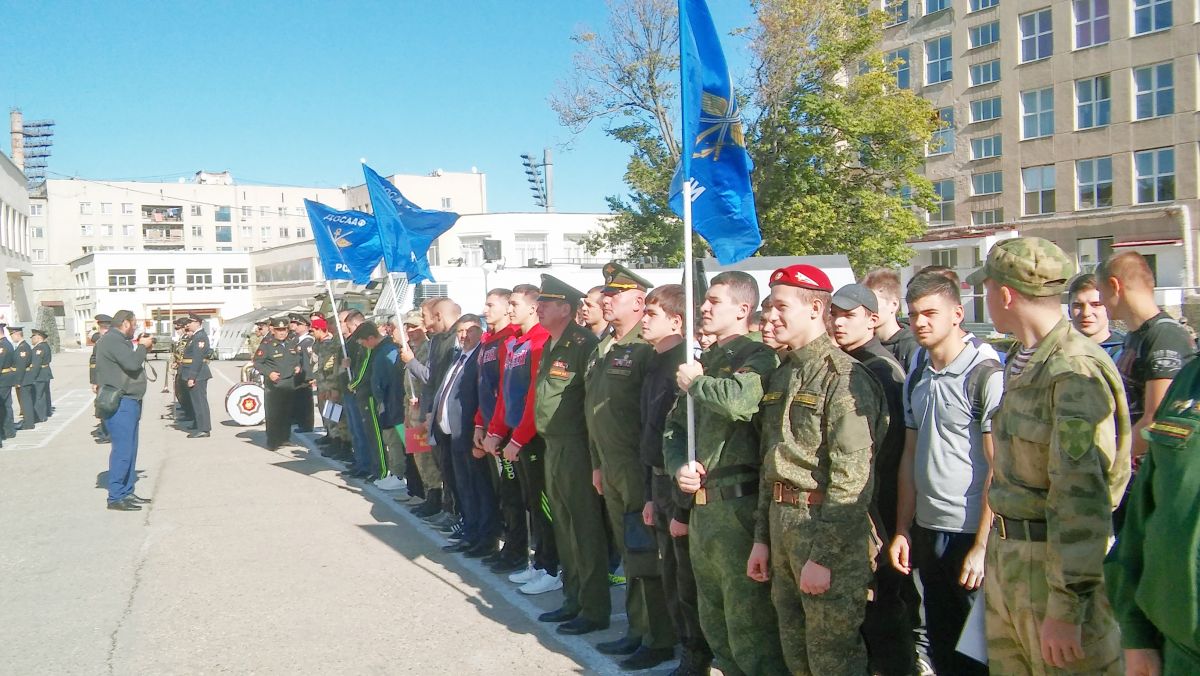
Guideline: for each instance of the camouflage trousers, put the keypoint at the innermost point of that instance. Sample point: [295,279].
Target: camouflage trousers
[431,476]
[1016,590]
[820,634]
[735,612]
[336,430]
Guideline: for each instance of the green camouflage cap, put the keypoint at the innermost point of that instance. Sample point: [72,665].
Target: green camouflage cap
[1032,265]
[618,278]
[413,318]
[554,288]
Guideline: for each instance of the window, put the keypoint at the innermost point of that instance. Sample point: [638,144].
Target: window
[943,139]
[934,6]
[1155,173]
[1037,113]
[301,233]
[37,231]
[447,203]
[530,248]
[36,209]
[106,207]
[282,211]
[985,73]
[897,11]
[106,230]
[199,279]
[987,217]
[283,232]
[127,229]
[898,62]
[87,249]
[224,233]
[265,232]
[1093,183]
[121,280]
[127,208]
[989,183]
[983,110]
[236,278]
[196,210]
[977,5]
[1091,23]
[1151,15]
[988,146]
[943,214]
[85,230]
[223,215]
[1093,102]
[247,231]
[246,212]
[944,257]
[38,255]
[1037,40]
[1092,250]
[938,60]
[1154,88]
[197,231]
[161,279]
[85,208]
[984,34]
[129,248]
[1038,184]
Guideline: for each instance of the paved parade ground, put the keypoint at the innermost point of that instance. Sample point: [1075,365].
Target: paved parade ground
[247,561]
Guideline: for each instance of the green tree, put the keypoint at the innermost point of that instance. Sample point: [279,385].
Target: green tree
[46,322]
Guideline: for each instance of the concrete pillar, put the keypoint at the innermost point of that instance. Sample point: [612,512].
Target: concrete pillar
[17,127]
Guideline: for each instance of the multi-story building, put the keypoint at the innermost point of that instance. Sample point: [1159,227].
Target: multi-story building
[15,293]
[1072,120]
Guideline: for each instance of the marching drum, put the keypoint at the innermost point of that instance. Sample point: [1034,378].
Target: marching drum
[244,403]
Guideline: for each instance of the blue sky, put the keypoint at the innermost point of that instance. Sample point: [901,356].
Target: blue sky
[295,93]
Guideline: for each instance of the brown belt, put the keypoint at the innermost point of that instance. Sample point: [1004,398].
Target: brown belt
[787,494]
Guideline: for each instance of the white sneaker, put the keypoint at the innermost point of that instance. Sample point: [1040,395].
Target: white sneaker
[391,482]
[541,585]
[524,576]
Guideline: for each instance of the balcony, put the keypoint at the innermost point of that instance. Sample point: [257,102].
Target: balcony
[162,214]
[151,236]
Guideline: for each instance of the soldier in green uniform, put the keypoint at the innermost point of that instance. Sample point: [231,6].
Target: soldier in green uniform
[278,359]
[1152,573]
[328,373]
[578,515]
[1060,466]
[613,407]
[726,387]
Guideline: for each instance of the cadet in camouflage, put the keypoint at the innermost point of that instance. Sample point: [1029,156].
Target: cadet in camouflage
[327,352]
[1062,440]
[822,414]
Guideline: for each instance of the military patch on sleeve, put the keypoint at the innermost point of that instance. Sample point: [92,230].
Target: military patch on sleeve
[200,344]
[1075,437]
[771,397]
[806,399]
[1176,431]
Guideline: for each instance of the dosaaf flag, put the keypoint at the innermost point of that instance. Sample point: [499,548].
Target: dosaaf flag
[348,244]
[421,227]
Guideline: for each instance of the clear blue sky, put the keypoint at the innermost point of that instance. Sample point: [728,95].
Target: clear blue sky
[296,92]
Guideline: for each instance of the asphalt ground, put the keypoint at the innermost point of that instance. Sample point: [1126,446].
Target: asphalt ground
[248,561]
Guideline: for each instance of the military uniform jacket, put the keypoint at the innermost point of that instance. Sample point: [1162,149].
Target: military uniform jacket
[39,367]
[194,364]
[8,369]
[278,356]
[1152,575]
[560,388]
[1061,438]
[614,395]
[91,360]
[327,355]
[822,414]
[177,351]
[23,363]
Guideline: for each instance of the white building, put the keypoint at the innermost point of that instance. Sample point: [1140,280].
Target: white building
[15,299]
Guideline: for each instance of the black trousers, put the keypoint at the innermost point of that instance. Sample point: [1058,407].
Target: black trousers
[302,413]
[277,403]
[531,472]
[25,394]
[8,423]
[198,396]
[513,515]
[41,401]
[887,626]
[184,399]
[445,465]
[939,555]
[679,582]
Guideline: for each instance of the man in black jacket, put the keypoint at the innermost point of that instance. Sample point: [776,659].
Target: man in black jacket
[195,374]
[41,377]
[121,365]
[8,380]
[101,432]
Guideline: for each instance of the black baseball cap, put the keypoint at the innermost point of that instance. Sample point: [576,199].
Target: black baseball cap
[853,295]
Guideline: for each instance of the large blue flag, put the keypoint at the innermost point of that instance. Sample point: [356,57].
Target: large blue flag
[418,228]
[397,250]
[347,242]
[713,156]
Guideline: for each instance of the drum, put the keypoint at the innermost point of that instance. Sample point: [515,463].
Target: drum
[244,403]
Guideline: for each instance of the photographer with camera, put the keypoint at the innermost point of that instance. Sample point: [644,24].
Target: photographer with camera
[121,377]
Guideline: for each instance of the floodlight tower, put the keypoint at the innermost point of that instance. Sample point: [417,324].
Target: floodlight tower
[541,178]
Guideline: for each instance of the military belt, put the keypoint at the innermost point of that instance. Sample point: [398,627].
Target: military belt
[1019,529]
[784,493]
[708,495]
[186,361]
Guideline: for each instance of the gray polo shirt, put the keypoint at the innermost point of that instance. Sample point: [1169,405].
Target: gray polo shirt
[950,466]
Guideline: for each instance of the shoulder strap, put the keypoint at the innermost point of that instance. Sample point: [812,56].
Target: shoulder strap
[976,383]
[919,359]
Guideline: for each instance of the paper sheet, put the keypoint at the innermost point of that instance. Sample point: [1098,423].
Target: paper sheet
[972,642]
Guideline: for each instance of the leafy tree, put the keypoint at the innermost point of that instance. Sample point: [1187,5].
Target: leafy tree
[47,323]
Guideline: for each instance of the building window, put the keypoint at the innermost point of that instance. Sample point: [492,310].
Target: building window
[121,280]
[1093,183]
[1037,113]
[938,66]
[106,207]
[127,208]
[85,208]
[199,279]
[898,62]
[224,233]
[197,231]
[265,232]
[984,34]
[988,146]
[943,139]
[1155,171]
[283,232]
[1093,102]
[85,230]
[1037,39]
[106,230]
[943,214]
[983,110]
[37,231]
[977,5]
[1038,183]
[127,229]
[988,183]
[1151,15]
[1091,23]
[1154,88]
[161,279]
[222,215]
[897,11]
[935,6]
[38,255]
[301,233]
[985,73]
[196,210]
[531,248]
[236,278]
[263,211]
[1092,250]
[987,217]
[247,231]
[944,257]
[35,209]
[246,212]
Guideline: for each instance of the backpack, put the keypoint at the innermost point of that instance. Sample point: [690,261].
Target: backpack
[974,385]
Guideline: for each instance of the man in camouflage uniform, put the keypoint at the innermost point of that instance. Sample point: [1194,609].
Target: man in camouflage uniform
[1061,463]
[823,413]
[327,352]
[735,612]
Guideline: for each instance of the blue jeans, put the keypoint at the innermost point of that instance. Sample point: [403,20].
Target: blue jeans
[122,460]
[358,436]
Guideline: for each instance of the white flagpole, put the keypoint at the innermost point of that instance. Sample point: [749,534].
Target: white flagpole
[391,280]
[689,291]
[337,318]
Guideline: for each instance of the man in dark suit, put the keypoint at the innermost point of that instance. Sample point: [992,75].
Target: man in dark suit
[8,379]
[23,363]
[453,422]
[42,376]
[195,373]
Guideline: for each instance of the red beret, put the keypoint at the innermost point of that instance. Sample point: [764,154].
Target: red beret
[319,323]
[802,276]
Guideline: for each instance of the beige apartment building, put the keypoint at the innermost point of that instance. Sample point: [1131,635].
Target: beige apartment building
[1073,120]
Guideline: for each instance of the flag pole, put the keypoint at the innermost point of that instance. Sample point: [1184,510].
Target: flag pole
[391,282]
[337,317]
[689,326]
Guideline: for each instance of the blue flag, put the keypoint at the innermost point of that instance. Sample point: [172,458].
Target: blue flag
[347,242]
[418,228]
[713,156]
[397,250]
